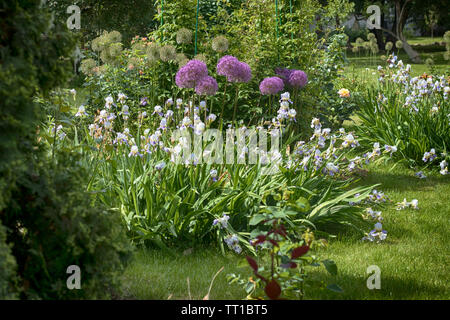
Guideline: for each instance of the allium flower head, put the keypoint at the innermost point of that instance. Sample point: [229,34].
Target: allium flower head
[190,74]
[153,52]
[201,57]
[298,79]
[184,36]
[284,74]
[168,53]
[233,69]
[388,46]
[271,85]
[226,64]
[181,59]
[87,66]
[220,44]
[244,73]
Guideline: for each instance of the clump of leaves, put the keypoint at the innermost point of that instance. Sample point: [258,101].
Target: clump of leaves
[281,272]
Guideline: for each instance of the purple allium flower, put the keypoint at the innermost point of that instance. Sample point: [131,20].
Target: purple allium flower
[298,79]
[271,85]
[284,74]
[233,69]
[191,73]
[226,65]
[207,85]
[244,73]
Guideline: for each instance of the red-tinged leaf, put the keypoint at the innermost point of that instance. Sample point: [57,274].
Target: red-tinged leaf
[273,242]
[261,277]
[259,239]
[273,289]
[299,251]
[282,231]
[252,263]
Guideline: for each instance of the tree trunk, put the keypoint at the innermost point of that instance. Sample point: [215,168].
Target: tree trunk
[401,15]
[412,54]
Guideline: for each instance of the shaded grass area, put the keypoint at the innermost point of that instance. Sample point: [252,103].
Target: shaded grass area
[414,259]
[155,274]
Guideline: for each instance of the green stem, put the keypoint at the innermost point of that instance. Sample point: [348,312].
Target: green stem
[196,27]
[235,104]
[223,105]
[162,20]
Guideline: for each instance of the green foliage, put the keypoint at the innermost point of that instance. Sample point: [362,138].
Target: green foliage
[50,221]
[55,223]
[288,41]
[285,259]
[7,268]
[178,202]
[32,55]
[332,109]
[130,18]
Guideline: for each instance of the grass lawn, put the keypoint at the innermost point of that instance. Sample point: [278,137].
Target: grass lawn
[413,261]
[363,67]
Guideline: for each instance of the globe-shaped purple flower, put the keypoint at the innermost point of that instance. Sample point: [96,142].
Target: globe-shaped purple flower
[244,73]
[271,85]
[298,79]
[206,86]
[190,74]
[284,74]
[233,69]
[226,65]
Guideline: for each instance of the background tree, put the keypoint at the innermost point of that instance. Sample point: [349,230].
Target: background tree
[431,19]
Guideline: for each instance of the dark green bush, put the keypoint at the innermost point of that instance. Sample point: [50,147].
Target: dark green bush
[7,268]
[32,55]
[50,221]
[54,223]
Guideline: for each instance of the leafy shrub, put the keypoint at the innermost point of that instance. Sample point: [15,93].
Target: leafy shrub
[355,34]
[50,221]
[29,61]
[284,261]
[7,268]
[53,224]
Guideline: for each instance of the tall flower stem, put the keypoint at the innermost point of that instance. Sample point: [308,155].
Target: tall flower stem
[270,106]
[223,105]
[235,104]
[254,111]
[206,104]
